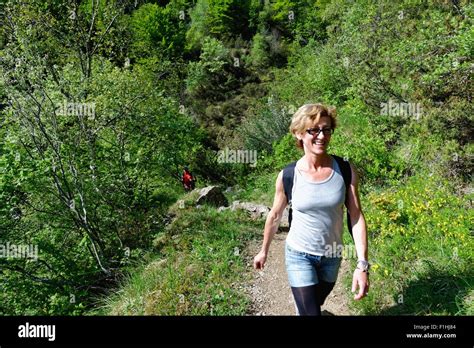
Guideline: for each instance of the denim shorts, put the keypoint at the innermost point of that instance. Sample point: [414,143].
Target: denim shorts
[305,269]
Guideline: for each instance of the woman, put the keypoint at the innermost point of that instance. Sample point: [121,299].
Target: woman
[317,225]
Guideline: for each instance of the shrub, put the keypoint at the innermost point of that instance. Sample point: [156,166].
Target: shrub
[421,248]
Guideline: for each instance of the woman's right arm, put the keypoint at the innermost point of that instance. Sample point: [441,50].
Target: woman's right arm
[272,222]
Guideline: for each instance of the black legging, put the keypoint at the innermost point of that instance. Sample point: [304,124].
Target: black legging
[310,298]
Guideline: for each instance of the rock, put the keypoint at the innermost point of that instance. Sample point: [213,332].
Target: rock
[257,211]
[262,211]
[284,218]
[212,195]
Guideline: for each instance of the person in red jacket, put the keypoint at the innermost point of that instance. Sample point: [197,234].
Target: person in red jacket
[188,180]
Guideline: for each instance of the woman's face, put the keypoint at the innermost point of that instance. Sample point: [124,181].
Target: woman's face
[316,136]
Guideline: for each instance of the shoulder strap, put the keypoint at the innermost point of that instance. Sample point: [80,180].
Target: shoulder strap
[345,170]
[347,176]
[288,174]
[288,179]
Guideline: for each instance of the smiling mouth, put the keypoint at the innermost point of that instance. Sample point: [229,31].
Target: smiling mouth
[319,143]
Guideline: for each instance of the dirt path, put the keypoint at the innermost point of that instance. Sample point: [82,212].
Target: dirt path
[269,289]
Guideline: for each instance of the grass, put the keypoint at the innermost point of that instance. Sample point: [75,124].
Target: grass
[198,268]
[421,247]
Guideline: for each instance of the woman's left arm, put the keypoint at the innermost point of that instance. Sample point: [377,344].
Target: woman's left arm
[360,278]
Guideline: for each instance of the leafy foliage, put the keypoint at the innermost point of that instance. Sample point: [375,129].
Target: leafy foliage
[159,31]
[220,19]
[102,103]
[91,152]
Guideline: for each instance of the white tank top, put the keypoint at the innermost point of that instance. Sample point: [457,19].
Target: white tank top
[317,222]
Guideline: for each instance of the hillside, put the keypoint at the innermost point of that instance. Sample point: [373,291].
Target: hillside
[103,103]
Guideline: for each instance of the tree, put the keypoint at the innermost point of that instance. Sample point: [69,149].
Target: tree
[158,30]
[91,148]
[220,19]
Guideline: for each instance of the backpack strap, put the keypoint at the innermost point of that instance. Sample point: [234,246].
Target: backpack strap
[347,176]
[288,179]
[288,174]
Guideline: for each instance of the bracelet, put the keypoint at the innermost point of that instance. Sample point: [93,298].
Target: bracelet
[362,269]
[365,265]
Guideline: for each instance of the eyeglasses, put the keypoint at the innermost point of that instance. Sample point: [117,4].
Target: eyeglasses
[316,131]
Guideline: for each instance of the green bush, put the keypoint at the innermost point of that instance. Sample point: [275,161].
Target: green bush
[158,30]
[313,75]
[269,124]
[421,248]
[220,19]
[204,73]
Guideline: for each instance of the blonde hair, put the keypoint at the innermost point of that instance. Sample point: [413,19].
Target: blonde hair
[310,113]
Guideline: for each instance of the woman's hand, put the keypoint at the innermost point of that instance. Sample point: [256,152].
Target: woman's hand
[259,260]
[360,280]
